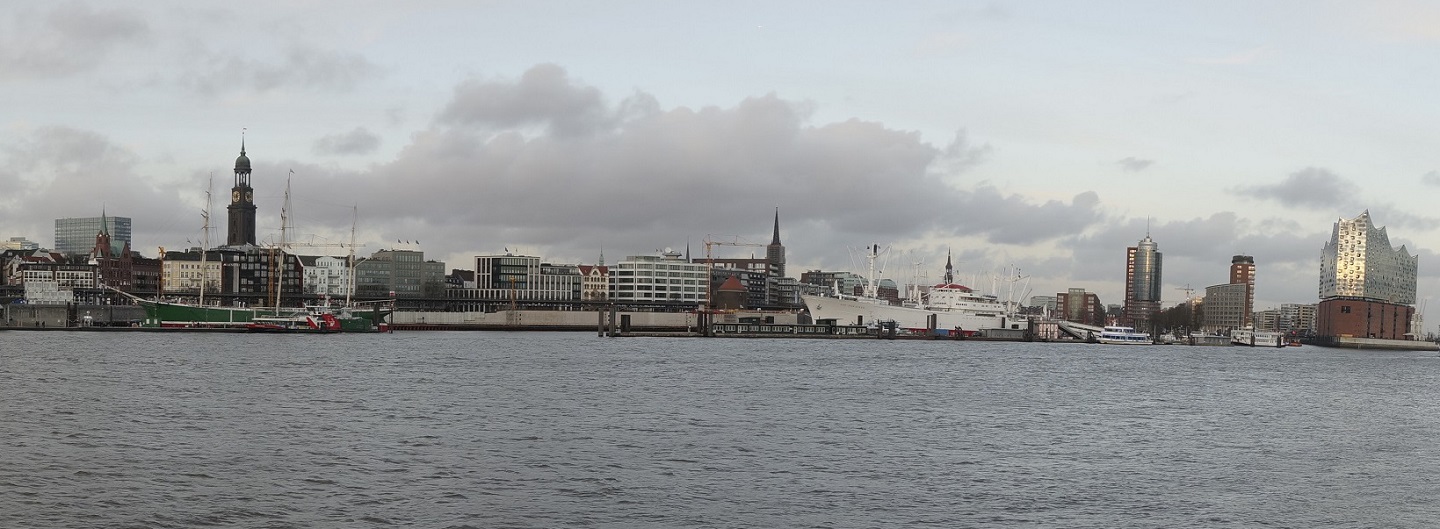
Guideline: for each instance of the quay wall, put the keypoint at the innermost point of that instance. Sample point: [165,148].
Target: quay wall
[568,319]
[13,315]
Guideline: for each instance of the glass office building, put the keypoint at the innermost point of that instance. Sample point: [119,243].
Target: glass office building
[77,235]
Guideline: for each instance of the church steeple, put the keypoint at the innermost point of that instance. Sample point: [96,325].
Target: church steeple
[776,240]
[242,202]
[949,268]
[775,252]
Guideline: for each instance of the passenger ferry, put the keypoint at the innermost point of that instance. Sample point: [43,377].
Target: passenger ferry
[1117,335]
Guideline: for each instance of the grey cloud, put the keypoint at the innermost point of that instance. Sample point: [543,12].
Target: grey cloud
[1134,164]
[1197,252]
[545,95]
[961,155]
[301,67]
[1014,219]
[1320,189]
[1431,178]
[1310,187]
[642,176]
[58,172]
[658,177]
[71,38]
[358,141]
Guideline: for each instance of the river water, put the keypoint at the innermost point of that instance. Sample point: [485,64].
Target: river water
[493,429]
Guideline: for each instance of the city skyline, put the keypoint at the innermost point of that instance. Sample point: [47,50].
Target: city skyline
[1045,137]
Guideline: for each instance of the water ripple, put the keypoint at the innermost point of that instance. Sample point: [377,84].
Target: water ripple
[466,430]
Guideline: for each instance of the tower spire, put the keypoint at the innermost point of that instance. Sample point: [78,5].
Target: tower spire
[949,268]
[776,240]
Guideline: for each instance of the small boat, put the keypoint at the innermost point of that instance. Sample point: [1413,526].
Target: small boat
[323,322]
[1119,335]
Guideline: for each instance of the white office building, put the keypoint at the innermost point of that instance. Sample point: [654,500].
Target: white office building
[328,276]
[666,277]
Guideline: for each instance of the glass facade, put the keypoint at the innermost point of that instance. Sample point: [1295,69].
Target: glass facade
[77,235]
[1358,262]
[1142,283]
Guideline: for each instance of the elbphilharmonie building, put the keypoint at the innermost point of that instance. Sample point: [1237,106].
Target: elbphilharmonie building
[1367,288]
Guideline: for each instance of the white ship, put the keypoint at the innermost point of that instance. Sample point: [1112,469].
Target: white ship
[953,307]
[1251,337]
[1116,335]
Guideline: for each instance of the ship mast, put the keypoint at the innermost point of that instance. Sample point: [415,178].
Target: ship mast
[205,244]
[278,276]
[872,286]
[354,217]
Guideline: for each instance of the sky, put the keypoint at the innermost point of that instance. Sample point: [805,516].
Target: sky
[1041,138]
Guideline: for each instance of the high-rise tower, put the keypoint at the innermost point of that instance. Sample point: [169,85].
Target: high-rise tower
[775,252]
[1142,283]
[242,203]
[1242,272]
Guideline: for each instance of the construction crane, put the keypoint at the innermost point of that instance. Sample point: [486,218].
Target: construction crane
[710,242]
[1189,292]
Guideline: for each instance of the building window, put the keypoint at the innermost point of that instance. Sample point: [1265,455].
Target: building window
[1344,309]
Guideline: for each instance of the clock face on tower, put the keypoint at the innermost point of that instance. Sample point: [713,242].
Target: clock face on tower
[249,196]
[234,196]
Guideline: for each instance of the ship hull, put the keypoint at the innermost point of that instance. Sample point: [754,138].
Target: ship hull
[856,312]
[185,316]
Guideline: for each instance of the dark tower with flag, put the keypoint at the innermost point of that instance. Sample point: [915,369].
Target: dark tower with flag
[775,252]
[242,203]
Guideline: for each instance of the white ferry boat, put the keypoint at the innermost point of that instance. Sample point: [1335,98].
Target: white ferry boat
[1254,338]
[1118,335]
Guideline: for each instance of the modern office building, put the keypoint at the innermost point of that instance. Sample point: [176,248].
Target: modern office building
[1296,317]
[76,235]
[1367,288]
[399,274]
[1080,306]
[845,282]
[1048,303]
[1231,305]
[261,275]
[751,281]
[1142,283]
[50,283]
[1225,308]
[526,278]
[1266,320]
[666,277]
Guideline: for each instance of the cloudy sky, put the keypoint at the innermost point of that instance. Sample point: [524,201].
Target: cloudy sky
[1044,136]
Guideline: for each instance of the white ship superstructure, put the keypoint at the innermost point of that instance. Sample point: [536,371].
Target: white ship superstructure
[948,306]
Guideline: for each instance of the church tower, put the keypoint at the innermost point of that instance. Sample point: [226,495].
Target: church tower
[242,203]
[775,252]
[949,269]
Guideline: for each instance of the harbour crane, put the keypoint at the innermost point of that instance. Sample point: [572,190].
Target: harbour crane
[1189,292]
[710,242]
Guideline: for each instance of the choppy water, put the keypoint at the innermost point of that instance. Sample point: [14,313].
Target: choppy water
[549,430]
